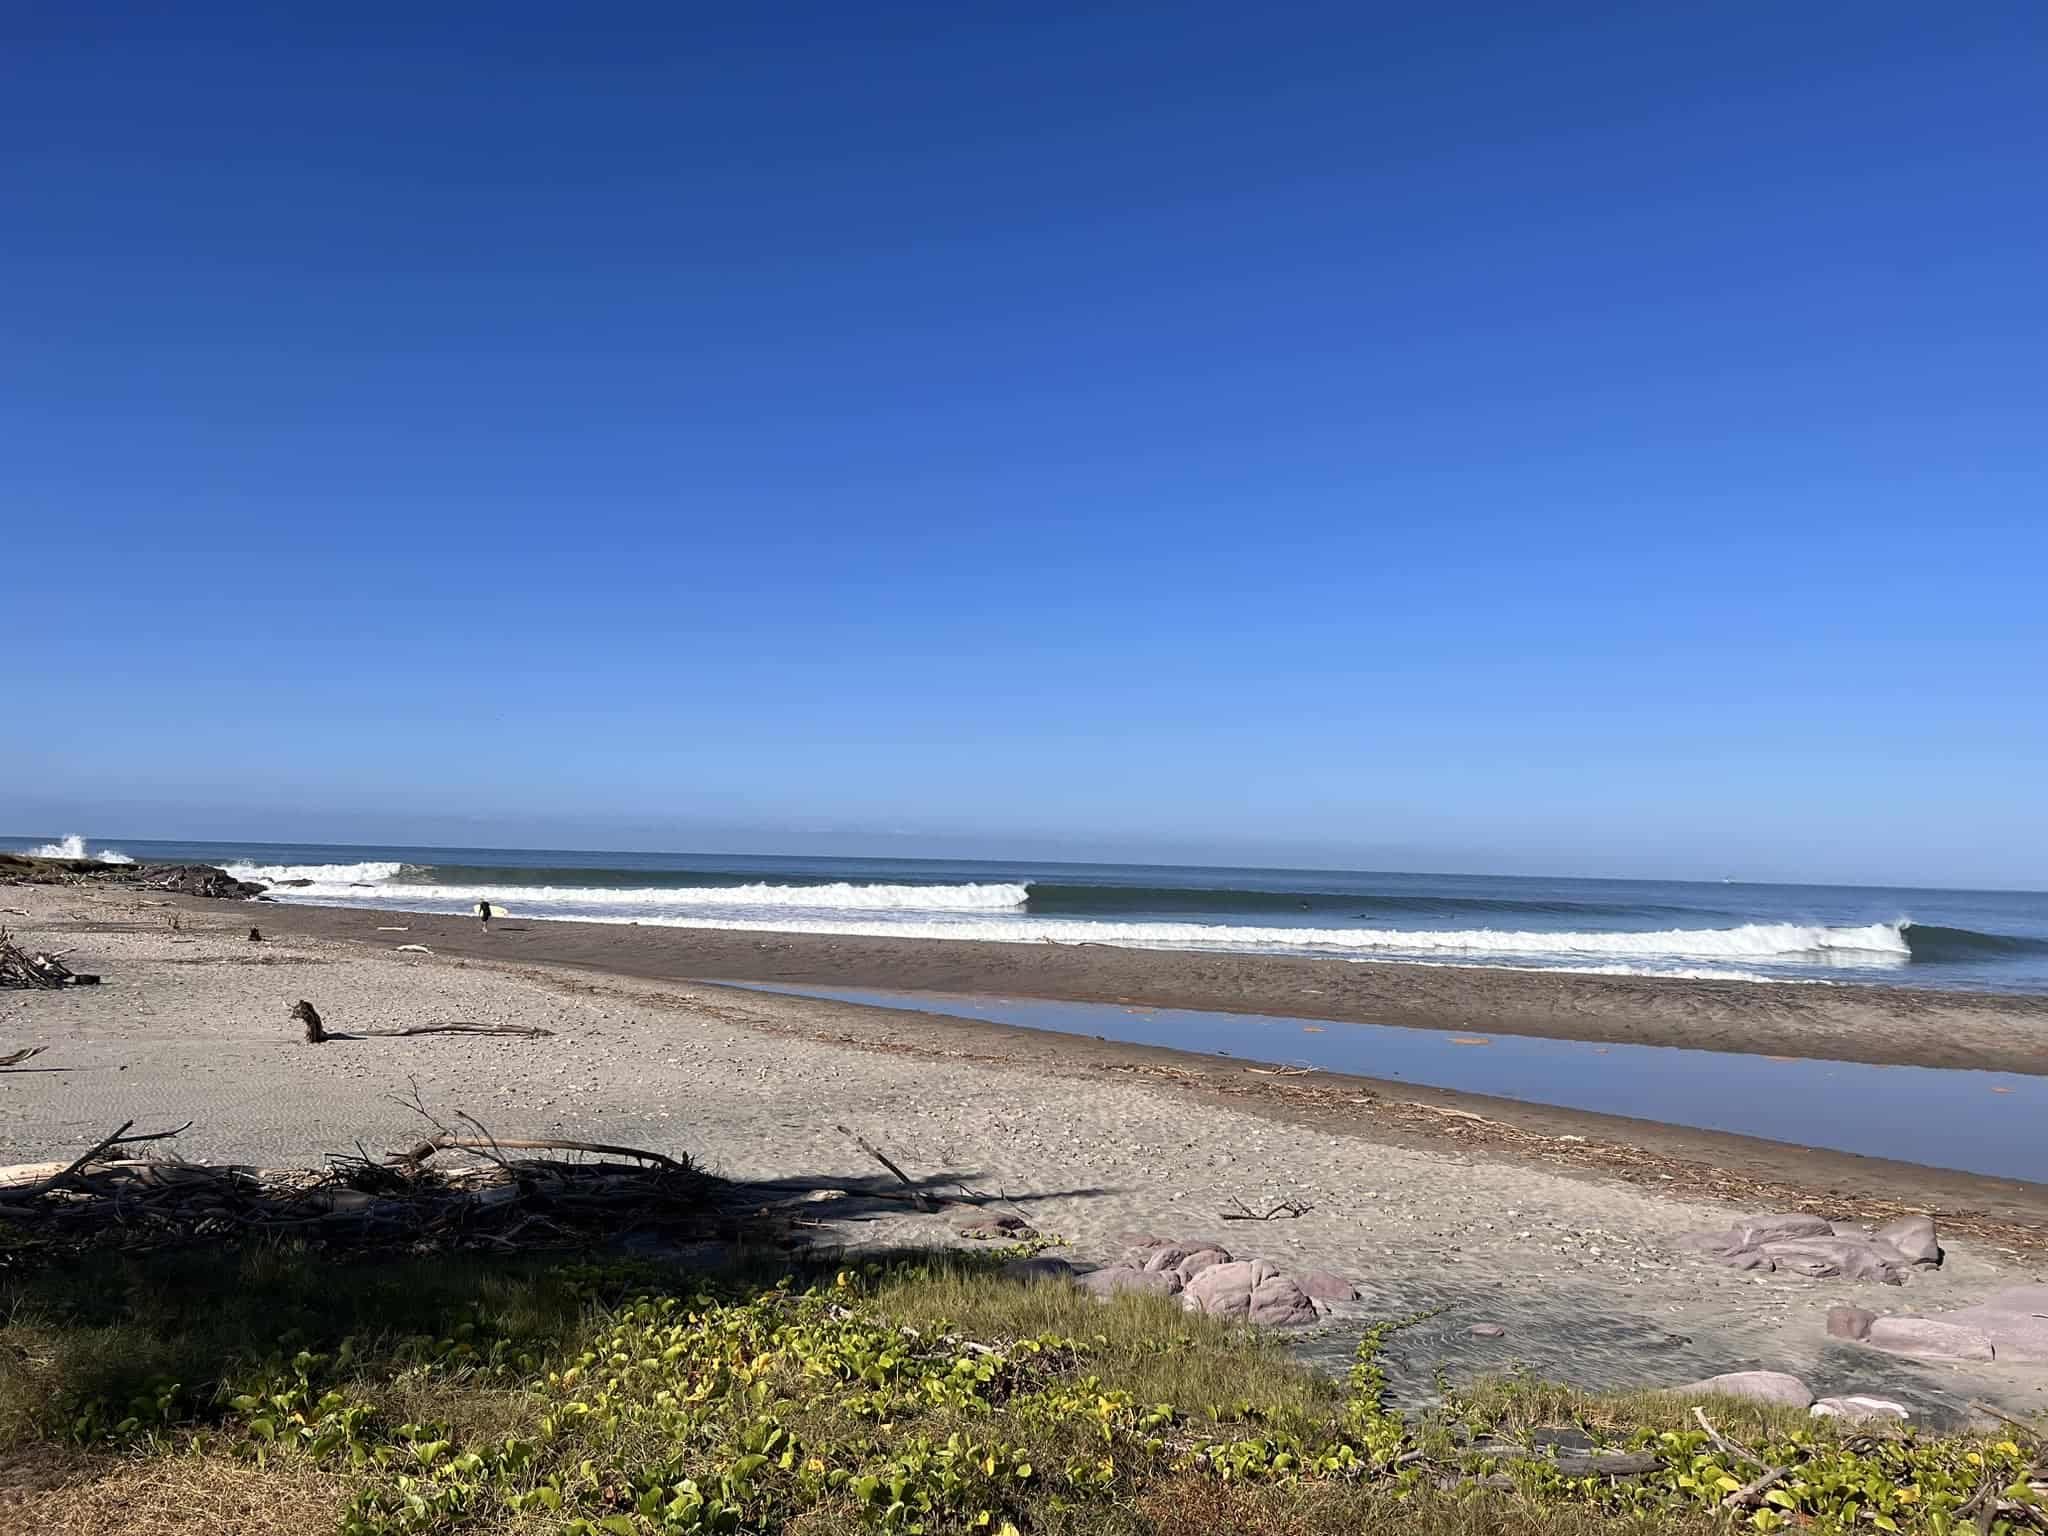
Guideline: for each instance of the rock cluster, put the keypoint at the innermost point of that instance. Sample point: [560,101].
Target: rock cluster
[191,880]
[2011,1327]
[1208,1279]
[184,879]
[1807,1245]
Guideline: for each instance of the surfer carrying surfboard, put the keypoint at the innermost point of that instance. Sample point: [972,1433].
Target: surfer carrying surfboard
[483,915]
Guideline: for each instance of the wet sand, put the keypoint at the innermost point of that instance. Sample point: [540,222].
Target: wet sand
[1883,1025]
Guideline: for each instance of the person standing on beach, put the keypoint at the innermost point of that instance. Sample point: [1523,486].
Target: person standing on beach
[483,915]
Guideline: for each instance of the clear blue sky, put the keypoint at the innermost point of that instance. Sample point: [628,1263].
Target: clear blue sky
[1579,438]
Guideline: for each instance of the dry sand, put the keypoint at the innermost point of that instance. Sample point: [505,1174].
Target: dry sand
[1093,1140]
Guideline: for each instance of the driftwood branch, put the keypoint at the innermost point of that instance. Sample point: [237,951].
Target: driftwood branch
[120,1138]
[918,1197]
[1768,1475]
[1292,1208]
[426,1149]
[16,1058]
[318,1034]
[462,1027]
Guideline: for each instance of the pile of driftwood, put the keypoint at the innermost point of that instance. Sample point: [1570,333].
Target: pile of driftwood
[21,968]
[447,1191]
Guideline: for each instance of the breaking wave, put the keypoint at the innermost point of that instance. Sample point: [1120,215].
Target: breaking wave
[386,883]
[1441,928]
[314,878]
[1876,944]
[73,847]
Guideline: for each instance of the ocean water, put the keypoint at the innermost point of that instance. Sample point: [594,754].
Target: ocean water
[1989,940]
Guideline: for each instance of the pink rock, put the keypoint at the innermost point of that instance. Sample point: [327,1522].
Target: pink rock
[1119,1281]
[1199,1260]
[1929,1338]
[1912,1238]
[1225,1290]
[1854,1258]
[1849,1322]
[1280,1303]
[1753,1386]
[2016,1322]
[1775,1229]
[1325,1286]
[1253,1290]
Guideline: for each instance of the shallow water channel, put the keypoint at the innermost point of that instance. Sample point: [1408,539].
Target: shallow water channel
[1983,1122]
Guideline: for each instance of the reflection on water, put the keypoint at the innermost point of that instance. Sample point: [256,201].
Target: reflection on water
[1984,1122]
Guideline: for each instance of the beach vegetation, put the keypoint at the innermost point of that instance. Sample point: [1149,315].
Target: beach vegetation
[274,1390]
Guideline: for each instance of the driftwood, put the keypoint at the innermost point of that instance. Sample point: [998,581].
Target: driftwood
[16,1058]
[1294,1208]
[916,1196]
[317,1033]
[43,971]
[420,1152]
[1768,1475]
[120,1138]
[509,1201]
[459,1027]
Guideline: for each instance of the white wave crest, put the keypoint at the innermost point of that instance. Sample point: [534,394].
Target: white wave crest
[328,876]
[73,847]
[995,913]
[1876,944]
[330,880]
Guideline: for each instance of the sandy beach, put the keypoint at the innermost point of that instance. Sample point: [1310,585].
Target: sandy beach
[1561,1228]
[1889,1025]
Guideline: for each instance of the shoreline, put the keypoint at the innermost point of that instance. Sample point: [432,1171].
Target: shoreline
[1567,1229]
[1656,1155]
[1875,1024]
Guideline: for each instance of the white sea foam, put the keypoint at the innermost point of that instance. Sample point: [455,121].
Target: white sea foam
[329,881]
[73,847]
[997,912]
[1876,944]
[323,877]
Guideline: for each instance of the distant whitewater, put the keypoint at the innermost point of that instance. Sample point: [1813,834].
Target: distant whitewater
[1712,931]
[73,847]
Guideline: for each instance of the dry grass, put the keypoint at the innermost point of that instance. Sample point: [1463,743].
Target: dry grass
[177,1496]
